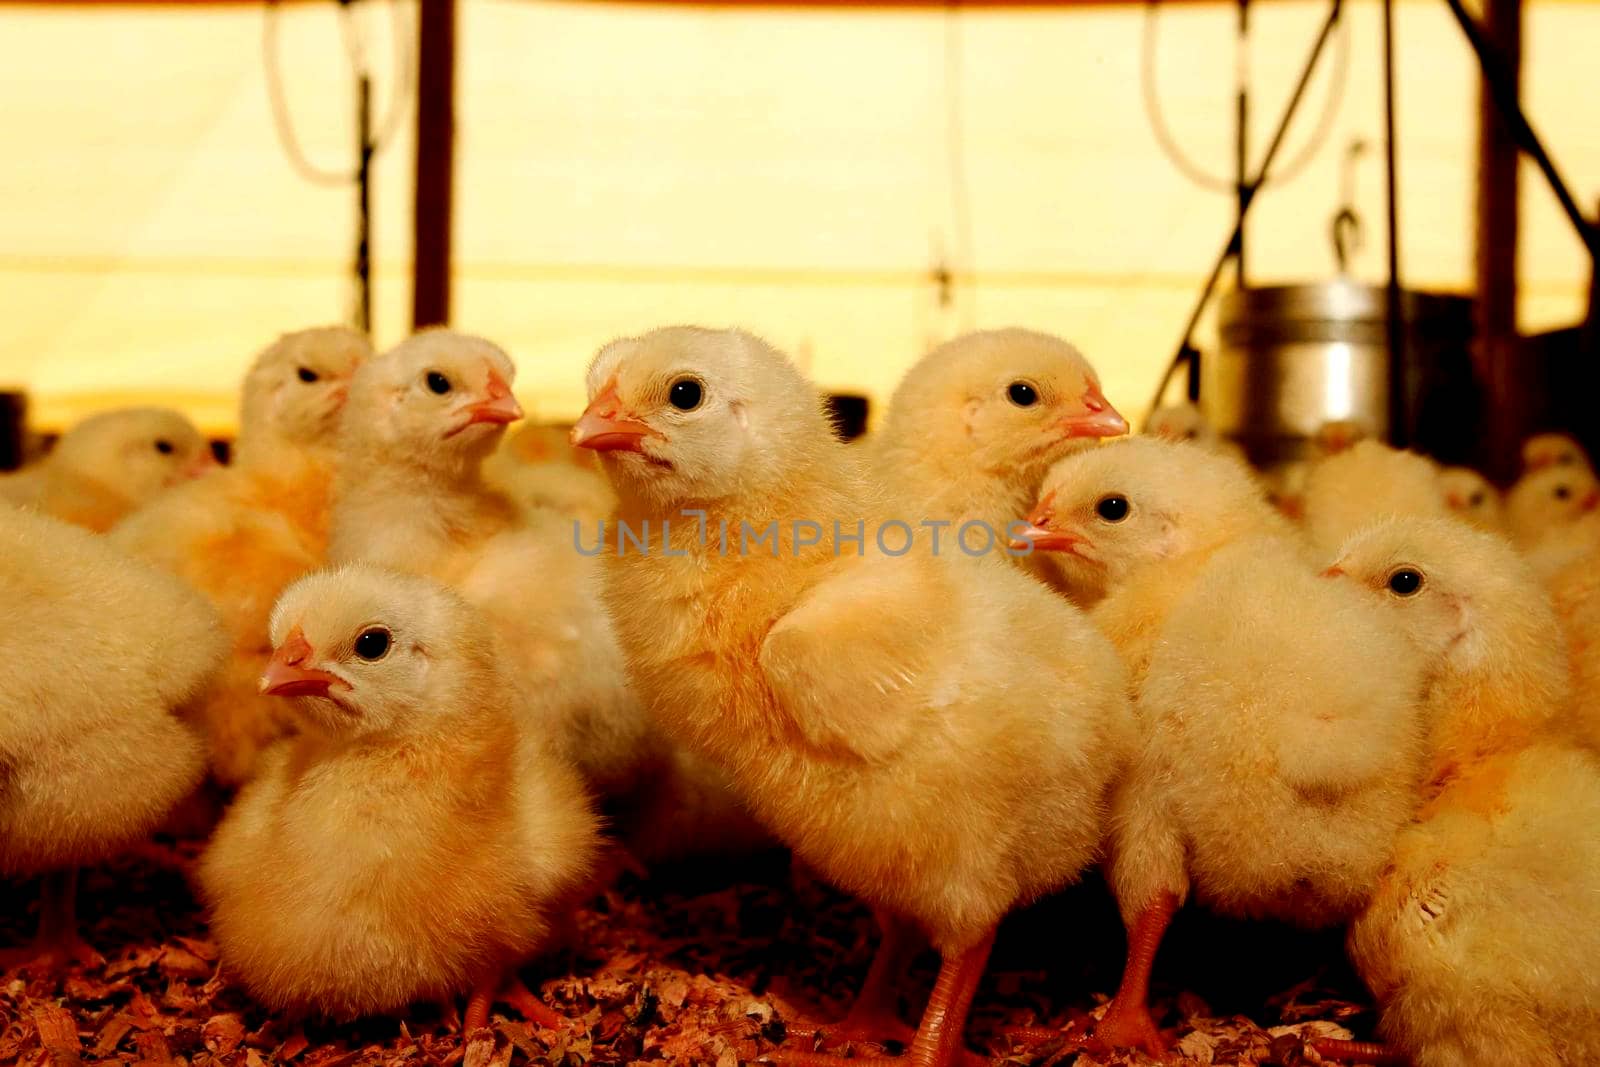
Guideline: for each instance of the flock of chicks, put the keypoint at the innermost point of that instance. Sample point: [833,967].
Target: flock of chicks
[448,719]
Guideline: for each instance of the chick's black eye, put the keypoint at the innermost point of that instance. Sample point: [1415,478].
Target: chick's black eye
[307,375]
[1022,394]
[1562,492]
[1405,581]
[685,394]
[1112,508]
[164,447]
[373,643]
[438,382]
[1476,500]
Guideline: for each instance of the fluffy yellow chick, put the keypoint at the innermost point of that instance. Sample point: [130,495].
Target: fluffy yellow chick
[241,534]
[110,464]
[1546,501]
[1364,483]
[1544,450]
[410,495]
[1471,497]
[1128,526]
[538,469]
[96,654]
[1479,942]
[1277,765]
[974,425]
[936,734]
[1185,422]
[416,840]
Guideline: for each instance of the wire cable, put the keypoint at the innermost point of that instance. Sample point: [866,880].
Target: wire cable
[1168,142]
[356,53]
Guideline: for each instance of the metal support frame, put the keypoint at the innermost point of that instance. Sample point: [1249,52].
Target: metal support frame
[1187,355]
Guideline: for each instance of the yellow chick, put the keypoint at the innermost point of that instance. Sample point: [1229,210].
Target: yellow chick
[1543,503]
[1544,450]
[1364,483]
[1277,765]
[416,840]
[410,495]
[97,652]
[1128,526]
[1472,498]
[1479,942]
[974,425]
[540,471]
[110,464]
[241,534]
[974,774]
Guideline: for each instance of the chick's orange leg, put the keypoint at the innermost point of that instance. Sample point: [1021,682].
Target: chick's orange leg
[875,1015]
[1127,1023]
[57,942]
[1357,1051]
[938,1041]
[532,1008]
[513,992]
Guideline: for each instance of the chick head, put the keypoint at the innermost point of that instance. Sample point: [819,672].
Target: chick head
[1104,513]
[1179,422]
[1466,599]
[440,400]
[1339,435]
[1470,496]
[1551,496]
[297,386]
[137,452]
[1552,450]
[686,414]
[1010,402]
[366,650]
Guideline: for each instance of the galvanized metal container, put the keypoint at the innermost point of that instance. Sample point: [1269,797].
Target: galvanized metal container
[1297,356]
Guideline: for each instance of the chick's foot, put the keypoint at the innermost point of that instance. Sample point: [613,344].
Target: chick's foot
[51,953]
[1127,1022]
[938,1041]
[1356,1051]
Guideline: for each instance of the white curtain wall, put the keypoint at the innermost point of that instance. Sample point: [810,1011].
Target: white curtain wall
[853,183]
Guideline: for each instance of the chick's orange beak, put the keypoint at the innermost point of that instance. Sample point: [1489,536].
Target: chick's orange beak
[604,428]
[498,406]
[287,674]
[1591,502]
[203,463]
[1093,416]
[1039,534]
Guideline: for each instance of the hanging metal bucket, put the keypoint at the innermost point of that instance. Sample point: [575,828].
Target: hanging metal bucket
[1297,356]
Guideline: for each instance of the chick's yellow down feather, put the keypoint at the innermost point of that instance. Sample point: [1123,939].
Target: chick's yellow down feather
[1479,941]
[1363,484]
[416,839]
[110,464]
[1274,767]
[241,534]
[975,423]
[1472,498]
[97,655]
[1128,526]
[411,495]
[934,733]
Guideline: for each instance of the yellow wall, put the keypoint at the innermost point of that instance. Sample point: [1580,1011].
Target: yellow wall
[784,170]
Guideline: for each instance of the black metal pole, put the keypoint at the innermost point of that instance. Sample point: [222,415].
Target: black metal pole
[1503,88]
[1241,137]
[363,265]
[1394,315]
[436,123]
[1186,351]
